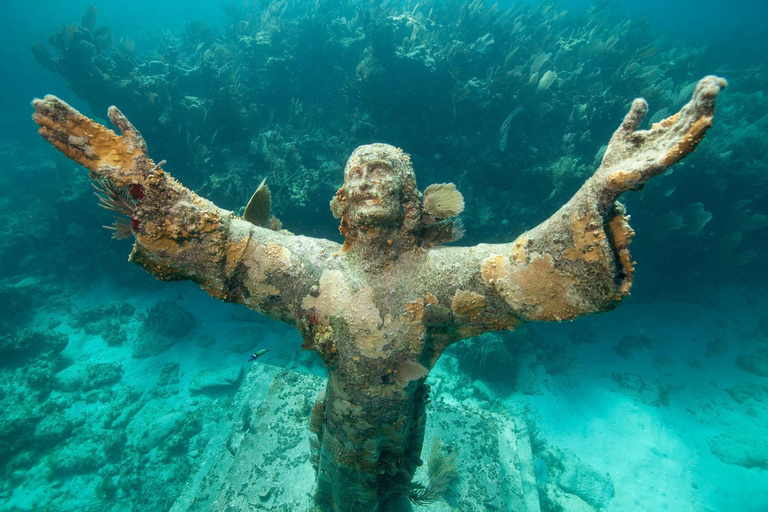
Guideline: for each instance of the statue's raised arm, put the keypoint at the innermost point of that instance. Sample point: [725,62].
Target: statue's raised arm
[577,262]
[180,235]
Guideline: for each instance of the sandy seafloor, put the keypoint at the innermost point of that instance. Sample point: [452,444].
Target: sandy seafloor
[658,457]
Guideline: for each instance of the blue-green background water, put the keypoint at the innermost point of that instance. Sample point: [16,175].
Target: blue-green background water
[667,395]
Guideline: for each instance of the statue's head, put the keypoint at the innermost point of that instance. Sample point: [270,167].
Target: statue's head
[379,193]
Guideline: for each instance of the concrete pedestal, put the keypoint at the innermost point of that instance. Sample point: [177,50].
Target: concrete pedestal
[260,460]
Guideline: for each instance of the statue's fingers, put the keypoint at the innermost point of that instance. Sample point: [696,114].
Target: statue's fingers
[633,118]
[54,114]
[65,128]
[127,129]
[701,106]
[707,89]
[90,144]
[634,156]
[627,131]
[692,122]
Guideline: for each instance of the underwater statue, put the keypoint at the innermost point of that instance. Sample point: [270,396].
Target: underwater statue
[381,308]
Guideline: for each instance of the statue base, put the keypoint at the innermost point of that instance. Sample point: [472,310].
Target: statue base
[259,459]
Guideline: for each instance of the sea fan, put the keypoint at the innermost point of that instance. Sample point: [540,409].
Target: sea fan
[116,199]
[442,471]
[442,201]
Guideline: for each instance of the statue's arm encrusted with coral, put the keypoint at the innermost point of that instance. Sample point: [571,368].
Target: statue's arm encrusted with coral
[180,235]
[577,262]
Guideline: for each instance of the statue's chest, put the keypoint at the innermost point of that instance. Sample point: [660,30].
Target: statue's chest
[371,317]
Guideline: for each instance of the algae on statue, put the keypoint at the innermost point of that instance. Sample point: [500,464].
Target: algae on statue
[381,308]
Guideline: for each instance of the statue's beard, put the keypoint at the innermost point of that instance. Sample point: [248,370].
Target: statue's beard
[372,213]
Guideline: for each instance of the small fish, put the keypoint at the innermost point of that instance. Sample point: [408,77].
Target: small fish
[258,354]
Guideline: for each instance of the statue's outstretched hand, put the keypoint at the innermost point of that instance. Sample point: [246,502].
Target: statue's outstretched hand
[123,159]
[634,156]
[577,262]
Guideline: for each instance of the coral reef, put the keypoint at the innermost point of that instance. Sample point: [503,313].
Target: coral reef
[107,320]
[362,306]
[487,357]
[19,348]
[741,450]
[165,324]
[755,363]
[629,345]
[16,308]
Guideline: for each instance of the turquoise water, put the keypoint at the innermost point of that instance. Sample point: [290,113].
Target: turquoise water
[115,387]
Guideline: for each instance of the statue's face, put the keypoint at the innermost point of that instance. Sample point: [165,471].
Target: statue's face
[374,191]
